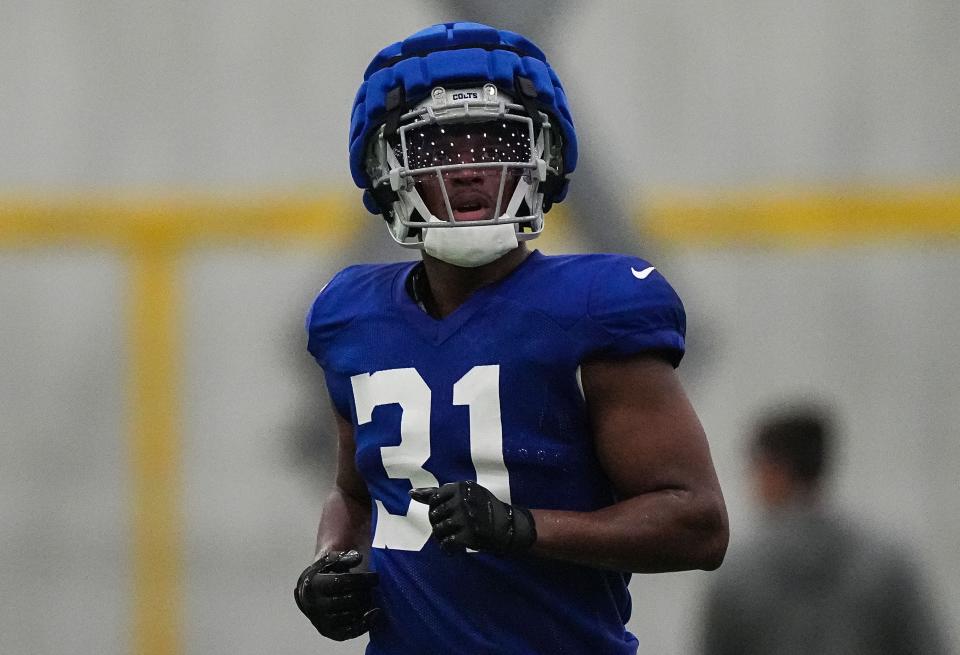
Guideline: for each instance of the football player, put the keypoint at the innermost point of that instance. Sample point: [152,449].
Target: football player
[514,441]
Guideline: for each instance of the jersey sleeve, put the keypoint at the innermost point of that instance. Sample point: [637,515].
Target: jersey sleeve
[327,316]
[635,310]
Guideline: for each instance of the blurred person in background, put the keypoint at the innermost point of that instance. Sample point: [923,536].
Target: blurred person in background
[514,440]
[810,581]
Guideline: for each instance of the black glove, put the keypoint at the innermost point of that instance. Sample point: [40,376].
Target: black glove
[466,515]
[338,603]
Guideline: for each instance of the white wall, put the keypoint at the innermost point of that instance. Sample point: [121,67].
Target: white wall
[64,555]
[695,93]
[231,94]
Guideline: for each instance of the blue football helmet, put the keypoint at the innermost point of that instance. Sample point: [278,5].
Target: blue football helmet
[461,125]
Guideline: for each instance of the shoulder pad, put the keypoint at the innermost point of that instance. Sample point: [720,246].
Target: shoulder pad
[636,308]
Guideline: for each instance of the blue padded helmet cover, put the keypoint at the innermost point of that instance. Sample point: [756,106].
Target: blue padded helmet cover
[455,53]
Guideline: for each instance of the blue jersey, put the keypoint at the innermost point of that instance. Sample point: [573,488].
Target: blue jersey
[489,393]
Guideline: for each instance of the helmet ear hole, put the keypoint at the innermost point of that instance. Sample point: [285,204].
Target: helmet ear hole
[379,200]
[415,233]
[416,217]
[523,209]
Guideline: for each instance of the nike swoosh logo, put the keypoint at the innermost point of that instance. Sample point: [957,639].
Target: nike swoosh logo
[642,275]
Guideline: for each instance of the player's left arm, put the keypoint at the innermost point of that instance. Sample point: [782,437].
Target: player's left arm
[671,514]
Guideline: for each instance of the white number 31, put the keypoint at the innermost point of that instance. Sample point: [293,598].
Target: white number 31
[479,390]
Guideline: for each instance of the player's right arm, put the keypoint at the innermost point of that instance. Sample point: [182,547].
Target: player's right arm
[336,598]
[345,520]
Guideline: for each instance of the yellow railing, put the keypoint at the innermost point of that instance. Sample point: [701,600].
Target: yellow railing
[785,218]
[154,233]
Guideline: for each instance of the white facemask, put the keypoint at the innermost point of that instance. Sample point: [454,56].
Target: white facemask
[470,246]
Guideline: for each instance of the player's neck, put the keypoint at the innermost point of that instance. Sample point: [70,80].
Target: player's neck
[450,285]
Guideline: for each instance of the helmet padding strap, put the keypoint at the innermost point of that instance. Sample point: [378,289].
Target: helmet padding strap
[395,104]
[526,93]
